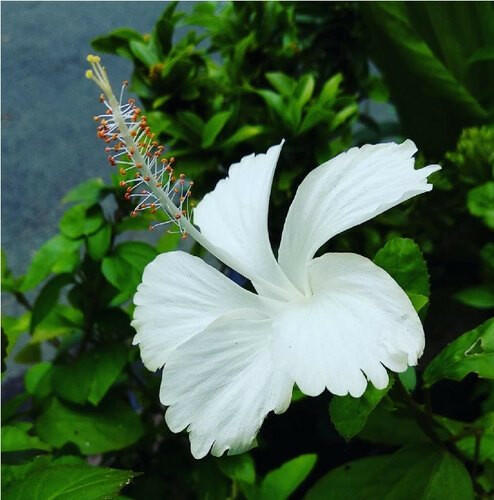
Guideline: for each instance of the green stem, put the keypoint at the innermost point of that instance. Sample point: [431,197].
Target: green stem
[21,298]
[426,421]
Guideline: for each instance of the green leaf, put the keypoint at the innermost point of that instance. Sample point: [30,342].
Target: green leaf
[164,28]
[481,297]
[304,90]
[350,414]
[88,192]
[431,41]
[37,379]
[330,89]
[168,242]
[403,260]
[14,328]
[58,255]
[213,127]
[192,121]
[472,352]
[10,408]
[280,483]
[69,482]
[391,426]
[110,427]
[408,378]
[81,220]
[419,472]
[243,134]
[99,243]
[16,438]
[284,84]
[238,468]
[48,298]
[144,52]
[480,202]
[123,269]
[314,116]
[9,283]
[61,320]
[91,376]
[116,42]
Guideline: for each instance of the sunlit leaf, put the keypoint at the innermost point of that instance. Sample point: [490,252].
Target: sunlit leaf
[472,352]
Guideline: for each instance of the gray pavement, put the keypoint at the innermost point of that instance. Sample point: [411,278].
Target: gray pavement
[48,135]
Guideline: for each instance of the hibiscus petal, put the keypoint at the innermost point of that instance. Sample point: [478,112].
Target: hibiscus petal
[346,191]
[234,218]
[358,320]
[221,384]
[179,296]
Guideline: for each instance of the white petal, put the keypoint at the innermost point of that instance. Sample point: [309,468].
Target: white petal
[234,218]
[221,384]
[344,192]
[358,320]
[179,296]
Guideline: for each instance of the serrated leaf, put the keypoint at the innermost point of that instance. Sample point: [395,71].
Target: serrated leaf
[472,352]
[70,482]
[58,255]
[414,472]
[107,428]
[480,202]
[403,260]
[91,376]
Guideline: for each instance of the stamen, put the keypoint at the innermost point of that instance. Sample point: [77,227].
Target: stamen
[132,146]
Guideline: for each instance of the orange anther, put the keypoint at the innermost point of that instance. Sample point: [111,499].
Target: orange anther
[122,171]
[133,213]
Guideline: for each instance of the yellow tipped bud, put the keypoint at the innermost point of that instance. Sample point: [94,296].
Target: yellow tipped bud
[93,59]
[89,74]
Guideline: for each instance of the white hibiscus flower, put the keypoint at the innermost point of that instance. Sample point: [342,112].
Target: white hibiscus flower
[334,322]
[230,356]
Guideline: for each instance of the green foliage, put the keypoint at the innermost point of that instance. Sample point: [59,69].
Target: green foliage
[413,472]
[74,482]
[350,414]
[280,483]
[123,268]
[244,76]
[110,427]
[438,71]
[473,352]
[404,261]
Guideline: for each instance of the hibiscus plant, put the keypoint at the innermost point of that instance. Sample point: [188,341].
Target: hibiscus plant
[285,329]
